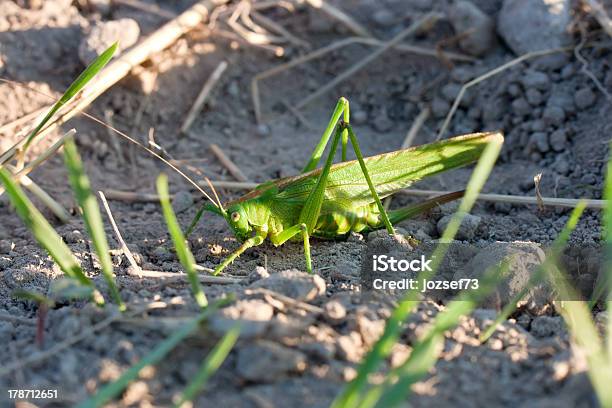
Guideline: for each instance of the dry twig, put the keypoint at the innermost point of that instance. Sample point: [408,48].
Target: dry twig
[227,163]
[203,95]
[124,248]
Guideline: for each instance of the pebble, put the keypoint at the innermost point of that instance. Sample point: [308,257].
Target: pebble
[262,130]
[450,91]
[293,283]
[540,141]
[584,98]
[383,17]
[521,107]
[465,17]
[259,273]
[359,117]
[532,25]
[522,258]
[183,200]
[534,97]
[439,107]
[536,79]
[266,361]
[558,140]
[253,315]
[334,311]
[554,115]
[103,34]
[546,326]
[467,229]
[552,62]
[382,123]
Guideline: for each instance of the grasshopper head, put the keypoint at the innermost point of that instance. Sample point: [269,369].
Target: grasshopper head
[239,222]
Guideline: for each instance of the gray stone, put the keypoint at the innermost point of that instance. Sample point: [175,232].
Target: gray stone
[551,62]
[554,115]
[536,79]
[439,107]
[103,34]
[558,140]
[450,91]
[6,246]
[466,17]
[521,107]
[523,258]
[183,200]
[259,273]
[383,17]
[546,326]
[534,97]
[265,361]
[293,283]
[540,141]
[466,230]
[584,98]
[262,130]
[359,117]
[532,25]
[334,311]
[254,316]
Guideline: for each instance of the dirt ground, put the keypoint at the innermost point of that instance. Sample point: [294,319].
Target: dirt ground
[299,353]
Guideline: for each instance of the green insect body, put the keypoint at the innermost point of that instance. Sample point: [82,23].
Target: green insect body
[330,202]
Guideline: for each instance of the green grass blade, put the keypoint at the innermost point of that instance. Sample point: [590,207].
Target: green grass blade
[182,250]
[115,388]
[350,395]
[607,281]
[425,353]
[45,234]
[91,215]
[209,367]
[78,84]
[540,272]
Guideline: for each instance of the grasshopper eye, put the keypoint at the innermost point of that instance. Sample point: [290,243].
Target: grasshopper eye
[235,216]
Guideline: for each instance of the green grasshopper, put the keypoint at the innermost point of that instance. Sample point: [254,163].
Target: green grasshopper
[330,202]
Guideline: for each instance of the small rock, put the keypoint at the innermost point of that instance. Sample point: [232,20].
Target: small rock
[554,115]
[439,107]
[521,107]
[383,17]
[183,200]
[334,311]
[359,117]
[253,315]
[103,34]
[523,258]
[532,25]
[584,98]
[6,246]
[382,123]
[450,91]
[265,361]
[534,97]
[349,347]
[551,62]
[293,283]
[259,273]
[370,330]
[262,130]
[558,140]
[467,229]
[162,254]
[546,326]
[466,17]
[540,141]
[536,79]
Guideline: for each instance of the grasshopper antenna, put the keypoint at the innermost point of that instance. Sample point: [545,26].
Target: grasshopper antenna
[132,140]
[214,190]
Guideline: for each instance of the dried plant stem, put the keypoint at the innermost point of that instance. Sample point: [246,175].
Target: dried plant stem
[203,95]
[182,277]
[340,44]
[340,16]
[488,75]
[46,199]
[149,8]
[428,19]
[121,66]
[132,197]
[274,26]
[227,163]
[599,12]
[124,248]
[24,119]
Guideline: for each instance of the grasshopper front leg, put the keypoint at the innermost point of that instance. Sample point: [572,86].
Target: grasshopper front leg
[255,240]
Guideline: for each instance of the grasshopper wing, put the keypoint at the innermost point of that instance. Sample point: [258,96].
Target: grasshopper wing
[390,172]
